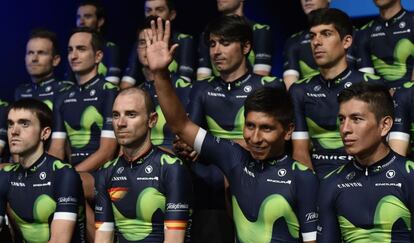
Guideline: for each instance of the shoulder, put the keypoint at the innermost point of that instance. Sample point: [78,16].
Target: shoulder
[180,82]
[267,80]
[166,159]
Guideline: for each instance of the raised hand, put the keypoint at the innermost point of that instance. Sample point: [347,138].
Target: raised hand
[159,53]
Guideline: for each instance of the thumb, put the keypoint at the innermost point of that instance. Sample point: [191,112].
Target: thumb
[173,49]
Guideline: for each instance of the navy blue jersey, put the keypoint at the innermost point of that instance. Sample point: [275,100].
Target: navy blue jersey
[46,91]
[298,57]
[316,116]
[273,200]
[3,122]
[387,47]
[182,64]
[161,135]
[403,128]
[142,197]
[260,56]
[109,67]
[368,204]
[48,190]
[84,115]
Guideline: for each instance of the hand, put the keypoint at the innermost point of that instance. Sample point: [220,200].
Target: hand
[183,150]
[159,54]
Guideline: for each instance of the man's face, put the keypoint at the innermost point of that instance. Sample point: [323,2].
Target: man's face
[39,59]
[264,135]
[327,47]
[228,6]
[130,120]
[310,5]
[86,17]
[81,56]
[24,132]
[227,56]
[383,4]
[360,131]
[142,49]
[159,8]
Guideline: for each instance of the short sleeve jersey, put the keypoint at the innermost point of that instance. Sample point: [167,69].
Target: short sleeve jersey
[368,204]
[139,199]
[182,64]
[46,91]
[403,127]
[272,200]
[316,116]
[387,47]
[47,191]
[161,135]
[84,115]
[260,56]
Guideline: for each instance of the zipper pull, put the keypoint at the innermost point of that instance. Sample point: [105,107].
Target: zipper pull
[366,171]
[228,86]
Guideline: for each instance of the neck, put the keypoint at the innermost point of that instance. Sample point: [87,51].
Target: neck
[27,160]
[148,74]
[37,80]
[133,152]
[234,75]
[85,77]
[334,71]
[390,11]
[374,155]
[238,11]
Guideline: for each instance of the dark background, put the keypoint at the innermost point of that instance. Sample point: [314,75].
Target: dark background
[122,18]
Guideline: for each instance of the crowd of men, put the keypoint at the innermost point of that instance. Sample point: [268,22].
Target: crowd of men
[208,147]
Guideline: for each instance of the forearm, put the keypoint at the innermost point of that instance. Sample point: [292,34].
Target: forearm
[104,154]
[57,149]
[301,152]
[61,231]
[174,236]
[104,236]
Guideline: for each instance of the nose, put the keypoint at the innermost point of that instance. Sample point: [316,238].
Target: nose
[316,41]
[14,129]
[256,137]
[121,122]
[216,50]
[345,127]
[80,21]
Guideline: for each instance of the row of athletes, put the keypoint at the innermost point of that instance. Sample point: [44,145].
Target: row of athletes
[144,194]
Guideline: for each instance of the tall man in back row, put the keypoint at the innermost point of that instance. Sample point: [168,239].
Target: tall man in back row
[273,196]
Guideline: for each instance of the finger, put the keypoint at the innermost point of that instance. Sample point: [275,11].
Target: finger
[167,32]
[160,30]
[147,37]
[153,31]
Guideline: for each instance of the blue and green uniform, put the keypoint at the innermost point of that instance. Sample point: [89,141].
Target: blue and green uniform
[161,135]
[403,127]
[387,46]
[259,57]
[368,204]
[84,115]
[316,116]
[46,191]
[182,64]
[4,107]
[273,200]
[140,198]
[46,91]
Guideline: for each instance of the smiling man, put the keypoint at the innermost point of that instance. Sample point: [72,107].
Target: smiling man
[379,181]
[314,98]
[273,196]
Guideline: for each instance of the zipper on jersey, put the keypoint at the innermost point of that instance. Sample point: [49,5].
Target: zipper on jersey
[366,171]
[228,86]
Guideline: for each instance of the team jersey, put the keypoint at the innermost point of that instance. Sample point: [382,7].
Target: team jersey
[140,198]
[316,116]
[260,56]
[84,115]
[3,122]
[161,135]
[273,200]
[298,57]
[403,127]
[46,91]
[109,67]
[48,190]
[387,47]
[182,64]
[368,204]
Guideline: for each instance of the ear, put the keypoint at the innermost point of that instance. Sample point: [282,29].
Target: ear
[101,22]
[152,120]
[347,41]
[289,131]
[98,56]
[173,14]
[56,60]
[386,125]
[247,46]
[45,133]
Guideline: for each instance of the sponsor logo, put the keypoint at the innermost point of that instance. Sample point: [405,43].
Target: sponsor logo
[120,170]
[350,176]
[247,89]
[92,92]
[18,184]
[48,88]
[390,174]
[218,89]
[312,216]
[378,34]
[42,175]
[317,88]
[241,96]
[46,94]
[28,90]
[332,157]
[43,184]
[91,99]
[27,95]
[279,182]
[71,94]
[98,208]
[347,85]
[389,184]
[263,56]
[349,185]
[281,172]
[67,200]
[119,178]
[148,169]
[316,95]
[70,101]
[248,172]
[402,32]
[378,28]
[216,94]
[155,178]
[177,207]
[402,24]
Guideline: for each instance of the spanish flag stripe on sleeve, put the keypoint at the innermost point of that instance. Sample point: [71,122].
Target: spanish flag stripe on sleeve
[175,224]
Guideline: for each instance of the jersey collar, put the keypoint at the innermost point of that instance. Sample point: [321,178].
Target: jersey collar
[396,18]
[338,79]
[140,159]
[236,83]
[43,82]
[379,166]
[90,83]
[36,165]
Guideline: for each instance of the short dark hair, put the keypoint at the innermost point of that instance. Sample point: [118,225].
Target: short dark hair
[96,40]
[100,11]
[276,102]
[338,18]
[149,105]
[231,27]
[40,109]
[376,96]
[170,4]
[46,34]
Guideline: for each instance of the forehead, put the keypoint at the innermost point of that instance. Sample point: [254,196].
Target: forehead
[132,101]
[262,118]
[323,27]
[18,114]
[156,3]
[80,38]
[39,43]
[353,106]
[87,9]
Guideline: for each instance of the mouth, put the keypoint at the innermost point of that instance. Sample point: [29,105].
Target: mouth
[318,54]
[348,142]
